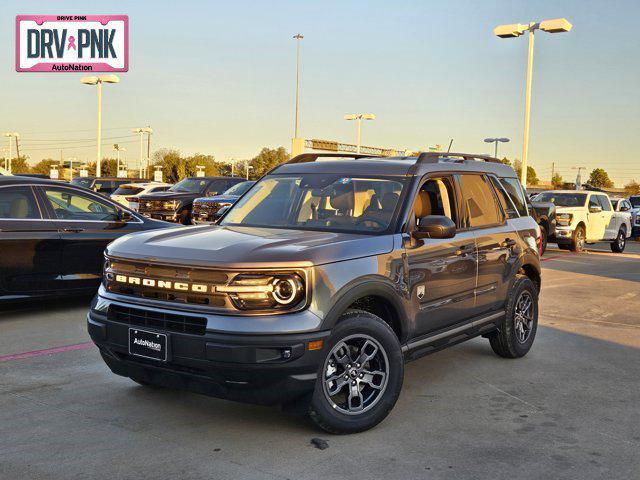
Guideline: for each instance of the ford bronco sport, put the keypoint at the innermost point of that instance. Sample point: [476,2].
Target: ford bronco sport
[324,278]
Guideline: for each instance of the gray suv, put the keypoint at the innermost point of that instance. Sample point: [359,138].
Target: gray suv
[322,280]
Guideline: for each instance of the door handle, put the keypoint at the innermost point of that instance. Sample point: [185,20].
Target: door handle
[508,243]
[71,230]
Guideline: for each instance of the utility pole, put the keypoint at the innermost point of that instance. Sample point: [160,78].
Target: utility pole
[553,171]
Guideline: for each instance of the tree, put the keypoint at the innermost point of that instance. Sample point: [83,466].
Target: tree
[532,176]
[632,188]
[556,180]
[19,165]
[43,167]
[266,160]
[108,168]
[175,167]
[600,178]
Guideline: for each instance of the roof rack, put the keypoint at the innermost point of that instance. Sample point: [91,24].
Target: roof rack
[312,157]
[434,157]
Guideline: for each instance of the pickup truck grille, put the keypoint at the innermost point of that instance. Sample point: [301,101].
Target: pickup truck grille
[151,206]
[160,320]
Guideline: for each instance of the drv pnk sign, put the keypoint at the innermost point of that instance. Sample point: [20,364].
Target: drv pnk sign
[72,43]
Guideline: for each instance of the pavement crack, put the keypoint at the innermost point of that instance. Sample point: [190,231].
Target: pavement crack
[515,397]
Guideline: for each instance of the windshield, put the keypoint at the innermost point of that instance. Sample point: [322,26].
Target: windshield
[635,201]
[83,182]
[319,202]
[563,199]
[128,190]
[239,188]
[193,185]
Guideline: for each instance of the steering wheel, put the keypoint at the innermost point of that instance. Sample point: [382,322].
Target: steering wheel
[366,218]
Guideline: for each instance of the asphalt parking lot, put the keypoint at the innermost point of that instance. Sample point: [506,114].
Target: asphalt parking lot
[570,409]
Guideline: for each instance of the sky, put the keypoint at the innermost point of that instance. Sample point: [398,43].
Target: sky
[218,77]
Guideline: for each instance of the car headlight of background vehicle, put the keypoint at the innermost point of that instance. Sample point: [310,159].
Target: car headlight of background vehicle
[564,219]
[170,205]
[277,291]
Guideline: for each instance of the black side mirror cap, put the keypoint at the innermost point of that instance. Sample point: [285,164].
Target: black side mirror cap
[435,226]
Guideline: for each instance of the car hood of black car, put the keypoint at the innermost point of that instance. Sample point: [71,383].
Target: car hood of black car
[218,199]
[247,247]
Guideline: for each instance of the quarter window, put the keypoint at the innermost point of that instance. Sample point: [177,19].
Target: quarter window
[514,189]
[72,205]
[481,206]
[18,203]
[507,205]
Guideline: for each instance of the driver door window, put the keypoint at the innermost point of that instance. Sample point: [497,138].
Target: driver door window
[72,205]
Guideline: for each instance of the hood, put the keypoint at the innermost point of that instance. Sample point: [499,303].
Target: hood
[213,245]
[218,199]
[169,195]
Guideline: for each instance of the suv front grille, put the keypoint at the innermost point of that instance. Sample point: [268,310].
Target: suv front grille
[159,320]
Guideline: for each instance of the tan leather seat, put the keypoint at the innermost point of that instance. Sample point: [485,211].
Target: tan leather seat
[422,205]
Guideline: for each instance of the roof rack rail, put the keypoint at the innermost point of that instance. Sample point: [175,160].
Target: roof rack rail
[434,157]
[312,157]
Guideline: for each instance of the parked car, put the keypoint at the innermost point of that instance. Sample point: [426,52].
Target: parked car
[624,205]
[634,200]
[53,235]
[209,209]
[322,280]
[175,204]
[128,194]
[587,217]
[104,185]
[544,214]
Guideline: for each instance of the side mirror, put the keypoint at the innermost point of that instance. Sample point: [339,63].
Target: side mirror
[124,216]
[435,226]
[595,209]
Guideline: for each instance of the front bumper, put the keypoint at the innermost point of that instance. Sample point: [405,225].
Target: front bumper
[561,235]
[263,369]
[167,216]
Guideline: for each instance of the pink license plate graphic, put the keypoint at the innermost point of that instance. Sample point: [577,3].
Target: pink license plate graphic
[72,43]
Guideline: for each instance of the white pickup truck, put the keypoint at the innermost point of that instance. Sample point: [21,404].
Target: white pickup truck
[587,217]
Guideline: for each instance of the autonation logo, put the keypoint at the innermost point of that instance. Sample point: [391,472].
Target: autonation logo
[72,43]
[147,343]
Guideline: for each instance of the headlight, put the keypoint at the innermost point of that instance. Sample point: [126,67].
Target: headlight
[172,205]
[284,291]
[564,219]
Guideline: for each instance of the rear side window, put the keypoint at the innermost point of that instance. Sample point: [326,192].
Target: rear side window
[18,203]
[503,197]
[481,207]
[604,203]
[514,189]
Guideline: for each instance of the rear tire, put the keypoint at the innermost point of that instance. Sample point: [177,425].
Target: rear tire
[618,245]
[579,239]
[518,329]
[361,376]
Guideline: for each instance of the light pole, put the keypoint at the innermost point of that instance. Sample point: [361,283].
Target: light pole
[71,159]
[578,177]
[496,141]
[358,117]
[142,130]
[247,168]
[99,81]
[7,162]
[118,149]
[557,25]
[297,144]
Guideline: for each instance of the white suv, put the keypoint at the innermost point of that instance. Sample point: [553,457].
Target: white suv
[587,217]
[127,194]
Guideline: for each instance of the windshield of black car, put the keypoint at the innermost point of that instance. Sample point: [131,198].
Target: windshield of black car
[635,201]
[319,202]
[239,188]
[192,185]
[563,199]
[83,182]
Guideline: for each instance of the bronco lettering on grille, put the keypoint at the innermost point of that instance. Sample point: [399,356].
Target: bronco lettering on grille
[165,284]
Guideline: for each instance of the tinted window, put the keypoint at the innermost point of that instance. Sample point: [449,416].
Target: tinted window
[604,203]
[193,185]
[239,188]
[563,199]
[514,189]
[503,197]
[593,201]
[480,202]
[83,182]
[103,186]
[635,201]
[72,205]
[128,190]
[162,188]
[18,203]
[216,187]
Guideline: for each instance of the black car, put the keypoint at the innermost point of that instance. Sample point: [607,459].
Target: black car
[210,209]
[104,185]
[53,235]
[322,280]
[175,204]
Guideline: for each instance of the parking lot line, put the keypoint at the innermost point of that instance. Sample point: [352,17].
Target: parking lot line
[46,351]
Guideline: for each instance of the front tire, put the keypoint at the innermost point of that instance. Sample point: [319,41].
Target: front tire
[579,239]
[617,246]
[361,376]
[518,329]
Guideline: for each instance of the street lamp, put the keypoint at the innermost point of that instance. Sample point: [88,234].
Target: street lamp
[578,177]
[297,144]
[7,162]
[118,149]
[496,141]
[557,25]
[99,81]
[359,117]
[148,130]
[248,167]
